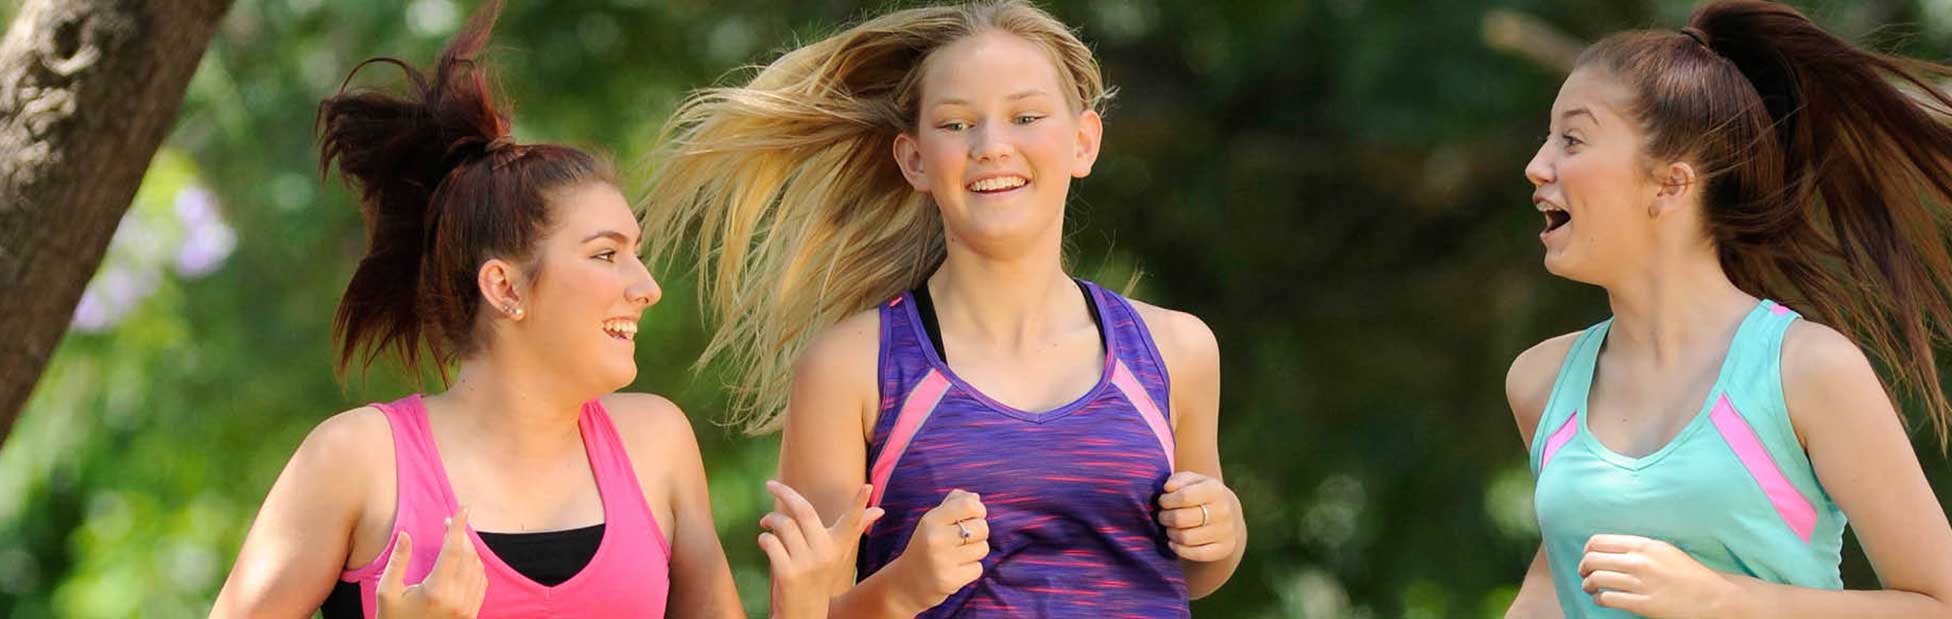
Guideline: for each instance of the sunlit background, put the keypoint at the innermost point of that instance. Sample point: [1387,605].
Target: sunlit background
[1334,185]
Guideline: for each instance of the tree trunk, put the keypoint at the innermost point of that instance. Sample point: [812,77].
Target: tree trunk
[88,90]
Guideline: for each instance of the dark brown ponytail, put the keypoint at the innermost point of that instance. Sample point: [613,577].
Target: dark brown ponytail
[1828,171]
[442,189]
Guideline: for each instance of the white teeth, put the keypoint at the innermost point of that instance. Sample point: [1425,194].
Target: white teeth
[621,328]
[1546,206]
[998,183]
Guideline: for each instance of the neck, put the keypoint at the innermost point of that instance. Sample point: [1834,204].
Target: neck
[1676,302]
[1010,301]
[512,407]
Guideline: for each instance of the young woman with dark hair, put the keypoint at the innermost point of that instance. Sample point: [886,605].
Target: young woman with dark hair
[1697,453]
[516,265]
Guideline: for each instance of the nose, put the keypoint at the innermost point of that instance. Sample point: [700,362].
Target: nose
[988,146]
[643,289]
[1539,170]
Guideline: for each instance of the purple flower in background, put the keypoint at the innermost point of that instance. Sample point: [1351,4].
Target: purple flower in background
[207,240]
[114,292]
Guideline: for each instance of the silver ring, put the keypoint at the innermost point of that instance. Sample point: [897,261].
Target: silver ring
[962,530]
[1205,516]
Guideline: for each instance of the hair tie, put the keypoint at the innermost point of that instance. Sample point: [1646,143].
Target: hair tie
[1698,36]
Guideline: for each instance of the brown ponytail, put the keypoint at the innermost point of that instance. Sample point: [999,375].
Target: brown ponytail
[1828,171]
[442,188]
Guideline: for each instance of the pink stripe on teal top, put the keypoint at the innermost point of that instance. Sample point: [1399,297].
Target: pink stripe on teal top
[1795,509]
[1558,439]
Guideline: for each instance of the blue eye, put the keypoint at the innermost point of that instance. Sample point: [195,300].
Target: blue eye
[1571,141]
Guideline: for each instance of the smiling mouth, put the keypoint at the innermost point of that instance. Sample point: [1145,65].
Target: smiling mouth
[620,329]
[997,184]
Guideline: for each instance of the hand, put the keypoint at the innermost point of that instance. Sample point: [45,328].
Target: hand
[946,551]
[1652,578]
[807,557]
[454,589]
[1202,517]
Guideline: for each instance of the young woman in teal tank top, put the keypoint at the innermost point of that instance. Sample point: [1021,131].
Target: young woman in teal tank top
[1699,453]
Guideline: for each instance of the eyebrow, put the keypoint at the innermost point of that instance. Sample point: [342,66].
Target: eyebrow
[609,234]
[1568,114]
[1021,94]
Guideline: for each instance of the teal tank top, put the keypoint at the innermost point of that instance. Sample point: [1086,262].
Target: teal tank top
[1734,488]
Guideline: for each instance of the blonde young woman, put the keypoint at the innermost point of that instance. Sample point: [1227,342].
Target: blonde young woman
[879,217]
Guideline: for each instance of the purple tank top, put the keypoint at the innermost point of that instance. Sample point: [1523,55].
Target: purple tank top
[1071,493]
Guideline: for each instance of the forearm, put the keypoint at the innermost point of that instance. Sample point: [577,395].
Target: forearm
[877,597]
[1205,577]
[1536,597]
[1766,599]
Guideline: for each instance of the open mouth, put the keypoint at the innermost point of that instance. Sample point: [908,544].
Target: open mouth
[1555,217]
[621,329]
[997,184]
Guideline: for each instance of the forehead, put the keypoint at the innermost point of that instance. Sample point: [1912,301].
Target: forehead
[1595,90]
[588,207]
[988,64]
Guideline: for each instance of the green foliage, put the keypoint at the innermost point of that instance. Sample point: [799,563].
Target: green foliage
[1335,187]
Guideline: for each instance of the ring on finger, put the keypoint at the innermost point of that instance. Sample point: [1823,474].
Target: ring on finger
[1205,515]
[963,530]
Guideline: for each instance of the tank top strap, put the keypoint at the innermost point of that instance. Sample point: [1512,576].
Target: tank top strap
[1130,344]
[1752,390]
[625,508]
[1559,421]
[421,495]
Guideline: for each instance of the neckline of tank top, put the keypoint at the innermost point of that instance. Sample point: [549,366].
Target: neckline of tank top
[1106,338]
[1695,422]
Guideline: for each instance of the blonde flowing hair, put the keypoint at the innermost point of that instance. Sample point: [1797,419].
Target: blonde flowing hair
[789,187]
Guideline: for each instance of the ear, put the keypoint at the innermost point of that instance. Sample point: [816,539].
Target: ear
[1091,133]
[1676,186]
[499,289]
[908,155]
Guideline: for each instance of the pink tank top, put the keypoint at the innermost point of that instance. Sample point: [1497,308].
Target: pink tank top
[629,576]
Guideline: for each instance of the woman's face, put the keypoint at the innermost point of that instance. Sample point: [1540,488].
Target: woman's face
[589,290]
[997,143]
[1592,184]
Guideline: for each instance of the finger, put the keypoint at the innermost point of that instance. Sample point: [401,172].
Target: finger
[973,552]
[1193,493]
[1195,536]
[789,533]
[1202,553]
[1184,517]
[1183,479]
[855,519]
[776,554]
[1636,603]
[962,505]
[392,579]
[1609,580]
[457,559]
[979,529]
[806,518]
[1605,542]
[1626,563]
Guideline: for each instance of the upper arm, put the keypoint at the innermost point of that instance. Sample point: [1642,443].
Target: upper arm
[831,414]
[658,434]
[1192,358]
[298,544]
[1862,456]
[1528,384]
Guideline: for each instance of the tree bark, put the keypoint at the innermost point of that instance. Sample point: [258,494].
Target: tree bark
[88,91]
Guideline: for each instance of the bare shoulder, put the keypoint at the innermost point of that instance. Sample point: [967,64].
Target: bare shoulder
[1815,352]
[650,424]
[346,442]
[1184,341]
[1528,384]
[847,349]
